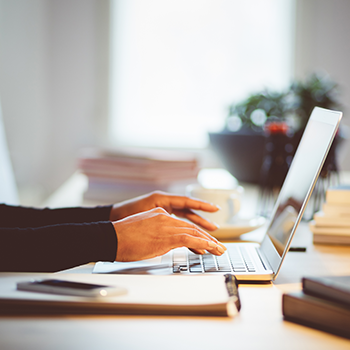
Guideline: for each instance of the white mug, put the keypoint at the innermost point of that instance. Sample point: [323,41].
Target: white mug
[227,199]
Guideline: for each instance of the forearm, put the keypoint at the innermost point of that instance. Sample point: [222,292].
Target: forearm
[56,247]
[18,216]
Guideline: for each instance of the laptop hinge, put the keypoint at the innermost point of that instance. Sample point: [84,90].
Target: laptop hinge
[263,260]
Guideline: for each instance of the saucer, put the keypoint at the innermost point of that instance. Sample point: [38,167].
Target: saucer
[238,227]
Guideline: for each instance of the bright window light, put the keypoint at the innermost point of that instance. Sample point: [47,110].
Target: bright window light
[176,65]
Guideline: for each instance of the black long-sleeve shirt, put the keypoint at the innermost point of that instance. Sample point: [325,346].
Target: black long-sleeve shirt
[48,240]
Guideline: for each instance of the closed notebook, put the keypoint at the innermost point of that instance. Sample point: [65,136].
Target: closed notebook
[336,288]
[323,304]
[317,313]
[146,295]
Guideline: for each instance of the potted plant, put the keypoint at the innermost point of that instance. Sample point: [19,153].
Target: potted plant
[317,90]
[241,144]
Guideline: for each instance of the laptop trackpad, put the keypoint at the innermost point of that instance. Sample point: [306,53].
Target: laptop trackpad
[159,265]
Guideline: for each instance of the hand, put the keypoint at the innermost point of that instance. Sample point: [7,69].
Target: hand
[181,206]
[154,232]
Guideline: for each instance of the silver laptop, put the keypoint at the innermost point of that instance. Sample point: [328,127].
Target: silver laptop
[251,261]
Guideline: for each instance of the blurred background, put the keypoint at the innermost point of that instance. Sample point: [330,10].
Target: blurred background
[161,74]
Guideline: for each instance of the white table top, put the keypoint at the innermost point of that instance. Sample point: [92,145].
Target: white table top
[259,325]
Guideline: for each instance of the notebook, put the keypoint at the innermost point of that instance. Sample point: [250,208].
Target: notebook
[251,261]
[145,295]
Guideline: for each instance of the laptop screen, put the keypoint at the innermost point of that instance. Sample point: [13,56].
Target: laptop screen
[301,178]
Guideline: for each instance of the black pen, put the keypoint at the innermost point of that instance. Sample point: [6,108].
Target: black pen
[232,288]
[297,249]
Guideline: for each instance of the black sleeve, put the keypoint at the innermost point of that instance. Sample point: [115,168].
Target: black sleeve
[56,247]
[18,216]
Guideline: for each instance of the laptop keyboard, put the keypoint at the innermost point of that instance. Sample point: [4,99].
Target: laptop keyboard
[236,259]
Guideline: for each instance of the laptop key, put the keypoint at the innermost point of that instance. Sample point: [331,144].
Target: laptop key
[239,265]
[196,268]
[176,269]
[194,260]
[179,267]
[180,257]
[210,269]
[224,269]
[239,269]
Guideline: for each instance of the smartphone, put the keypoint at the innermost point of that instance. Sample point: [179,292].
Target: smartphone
[57,286]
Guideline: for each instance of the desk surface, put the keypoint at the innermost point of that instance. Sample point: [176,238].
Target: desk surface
[259,325]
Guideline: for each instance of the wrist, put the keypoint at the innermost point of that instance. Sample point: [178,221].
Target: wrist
[114,214]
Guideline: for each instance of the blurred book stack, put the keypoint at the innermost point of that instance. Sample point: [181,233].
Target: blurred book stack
[118,175]
[332,224]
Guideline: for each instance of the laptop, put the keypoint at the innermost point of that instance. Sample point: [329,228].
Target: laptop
[252,261]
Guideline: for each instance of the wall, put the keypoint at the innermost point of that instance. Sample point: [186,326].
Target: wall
[54,78]
[53,86]
[323,43]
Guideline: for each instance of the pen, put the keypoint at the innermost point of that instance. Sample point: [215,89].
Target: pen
[297,249]
[232,288]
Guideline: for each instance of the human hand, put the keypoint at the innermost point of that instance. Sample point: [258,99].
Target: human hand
[181,206]
[154,232]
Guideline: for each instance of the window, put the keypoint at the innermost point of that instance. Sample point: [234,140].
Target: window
[177,65]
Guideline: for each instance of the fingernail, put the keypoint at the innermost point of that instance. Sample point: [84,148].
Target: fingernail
[220,249]
[217,247]
[212,244]
[217,225]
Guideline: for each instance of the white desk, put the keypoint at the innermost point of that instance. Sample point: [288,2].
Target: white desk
[258,326]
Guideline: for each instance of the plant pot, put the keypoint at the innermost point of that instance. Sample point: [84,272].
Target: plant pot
[240,152]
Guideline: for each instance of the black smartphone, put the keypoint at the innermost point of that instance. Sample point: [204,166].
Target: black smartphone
[57,286]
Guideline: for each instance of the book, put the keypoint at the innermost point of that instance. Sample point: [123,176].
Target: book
[335,288]
[146,295]
[317,313]
[331,239]
[116,175]
[114,190]
[322,220]
[336,210]
[130,166]
[338,195]
[330,235]
[327,230]
[332,224]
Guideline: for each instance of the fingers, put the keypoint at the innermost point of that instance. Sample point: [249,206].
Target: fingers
[197,219]
[182,202]
[195,243]
[168,200]
[197,251]
[183,206]
[192,227]
[192,234]
[188,228]
[155,232]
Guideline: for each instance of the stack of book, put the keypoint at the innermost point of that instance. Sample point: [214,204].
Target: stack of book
[324,304]
[332,224]
[118,175]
